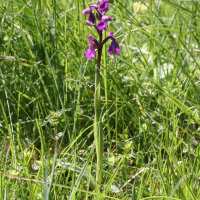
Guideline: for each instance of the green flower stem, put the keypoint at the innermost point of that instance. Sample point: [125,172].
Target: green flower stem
[98,130]
[106,91]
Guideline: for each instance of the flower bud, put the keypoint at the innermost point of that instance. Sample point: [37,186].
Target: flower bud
[111,34]
[114,48]
[89,23]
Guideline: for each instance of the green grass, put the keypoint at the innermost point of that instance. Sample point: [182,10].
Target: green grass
[149,102]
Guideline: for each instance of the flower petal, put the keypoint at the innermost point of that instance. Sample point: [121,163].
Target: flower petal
[90,38]
[102,26]
[94,6]
[104,6]
[90,53]
[86,11]
[105,18]
[91,18]
[110,50]
[114,48]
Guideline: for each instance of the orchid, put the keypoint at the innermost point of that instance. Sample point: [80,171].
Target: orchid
[113,49]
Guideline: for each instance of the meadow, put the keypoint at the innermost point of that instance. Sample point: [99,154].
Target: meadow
[149,101]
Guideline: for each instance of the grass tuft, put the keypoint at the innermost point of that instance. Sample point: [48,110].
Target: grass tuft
[150,111]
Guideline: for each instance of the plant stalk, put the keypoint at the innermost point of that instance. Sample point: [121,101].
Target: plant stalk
[98,130]
[106,91]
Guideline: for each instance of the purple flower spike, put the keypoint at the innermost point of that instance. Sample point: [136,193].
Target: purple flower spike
[103,6]
[114,48]
[101,25]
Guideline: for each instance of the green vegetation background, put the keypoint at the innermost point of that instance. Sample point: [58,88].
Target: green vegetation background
[150,101]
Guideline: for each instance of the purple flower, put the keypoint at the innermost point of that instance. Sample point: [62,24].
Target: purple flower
[104,6]
[103,25]
[90,53]
[90,9]
[114,48]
